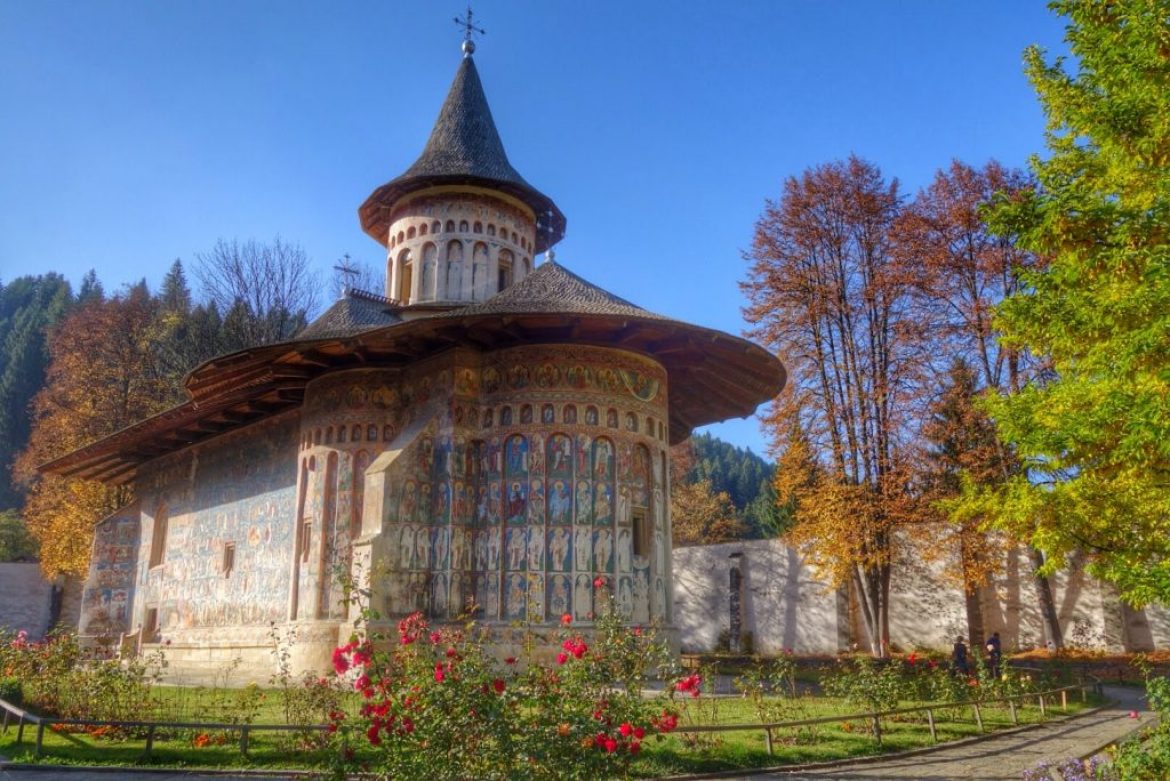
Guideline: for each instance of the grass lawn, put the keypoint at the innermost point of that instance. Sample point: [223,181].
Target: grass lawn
[678,753]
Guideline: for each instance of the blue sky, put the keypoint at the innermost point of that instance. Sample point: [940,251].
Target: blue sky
[134,132]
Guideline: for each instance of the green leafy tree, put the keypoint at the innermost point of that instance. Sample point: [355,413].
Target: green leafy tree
[16,544]
[1094,435]
[28,306]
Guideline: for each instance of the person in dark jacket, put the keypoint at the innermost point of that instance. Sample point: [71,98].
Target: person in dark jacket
[959,664]
[994,654]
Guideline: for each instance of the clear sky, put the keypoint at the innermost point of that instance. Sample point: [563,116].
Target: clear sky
[134,132]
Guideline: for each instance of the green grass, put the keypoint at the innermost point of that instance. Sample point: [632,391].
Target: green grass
[677,753]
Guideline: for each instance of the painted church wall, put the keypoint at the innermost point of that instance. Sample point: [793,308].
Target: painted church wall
[108,593]
[528,478]
[348,420]
[233,493]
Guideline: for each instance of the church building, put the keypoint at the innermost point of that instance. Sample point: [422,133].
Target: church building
[490,434]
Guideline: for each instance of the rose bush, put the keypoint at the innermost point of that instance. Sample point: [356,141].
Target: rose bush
[435,701]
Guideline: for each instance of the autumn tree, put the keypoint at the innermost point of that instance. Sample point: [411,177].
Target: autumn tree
[702,516]
[826,292]
[103,375]
[962,272]
[1093,436]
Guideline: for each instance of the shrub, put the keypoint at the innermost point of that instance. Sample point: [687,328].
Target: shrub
[11,690]
[436,702]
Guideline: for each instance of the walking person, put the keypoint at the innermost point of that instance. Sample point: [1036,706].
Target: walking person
[959,664]
[994,654]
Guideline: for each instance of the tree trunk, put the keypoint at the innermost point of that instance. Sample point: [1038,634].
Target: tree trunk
[1047,603]
[975,633]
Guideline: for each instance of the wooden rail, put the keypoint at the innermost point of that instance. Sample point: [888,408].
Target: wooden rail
[42,722]
[875,717]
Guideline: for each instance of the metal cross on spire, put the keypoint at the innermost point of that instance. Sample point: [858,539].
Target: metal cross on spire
[348,272]
[467,22]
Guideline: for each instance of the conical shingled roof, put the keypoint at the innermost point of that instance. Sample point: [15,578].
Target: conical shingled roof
[464,148]
[355,312]
[553,289]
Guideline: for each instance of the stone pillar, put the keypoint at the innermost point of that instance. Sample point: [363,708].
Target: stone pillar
[493,279]
[392,272]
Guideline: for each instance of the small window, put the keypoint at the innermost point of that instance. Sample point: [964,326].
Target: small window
[356,434]
[158,541]
[422,229]
[641,532]
[436,227]
[341,432]
[306,540]
[463,226]
[387,433]
[371,433]
[410,232]
[491,229]
[229,558]
[329,436]
[477,228]
[450,227]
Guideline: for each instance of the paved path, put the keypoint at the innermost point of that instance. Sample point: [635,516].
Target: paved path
[999,758]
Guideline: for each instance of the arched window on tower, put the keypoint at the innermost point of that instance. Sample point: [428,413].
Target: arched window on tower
[505,274]
[450,227]
[436,227]
[479,272]
[422,229]
[477,228]
[405,272]
[428,291]
[491,229]
[410,232]
[453,271]
[463,226]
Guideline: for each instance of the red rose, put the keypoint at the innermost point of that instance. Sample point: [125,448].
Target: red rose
[610,745]
[639,733]
[510,660]
[562,657]
[566,619]
[626,729]
[340,663]
[599,582]
[498,685]
[635,747]
[439,673]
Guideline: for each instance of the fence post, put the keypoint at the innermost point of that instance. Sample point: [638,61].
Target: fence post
[20,731]
[149,741]
[930,721]
[40,738]
[244,741]
[1064,699]
[1041,698]
[7,713]
[877,728]
[978,715]
[1012,708]
[768,739]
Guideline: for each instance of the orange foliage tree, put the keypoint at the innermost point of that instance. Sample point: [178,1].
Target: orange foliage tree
[702,516]
[826,292]
[963,271]
[103,375]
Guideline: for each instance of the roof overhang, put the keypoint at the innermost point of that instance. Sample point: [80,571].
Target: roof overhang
[712,376]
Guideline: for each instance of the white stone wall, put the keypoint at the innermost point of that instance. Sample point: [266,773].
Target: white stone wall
[786,607]
[24,599]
